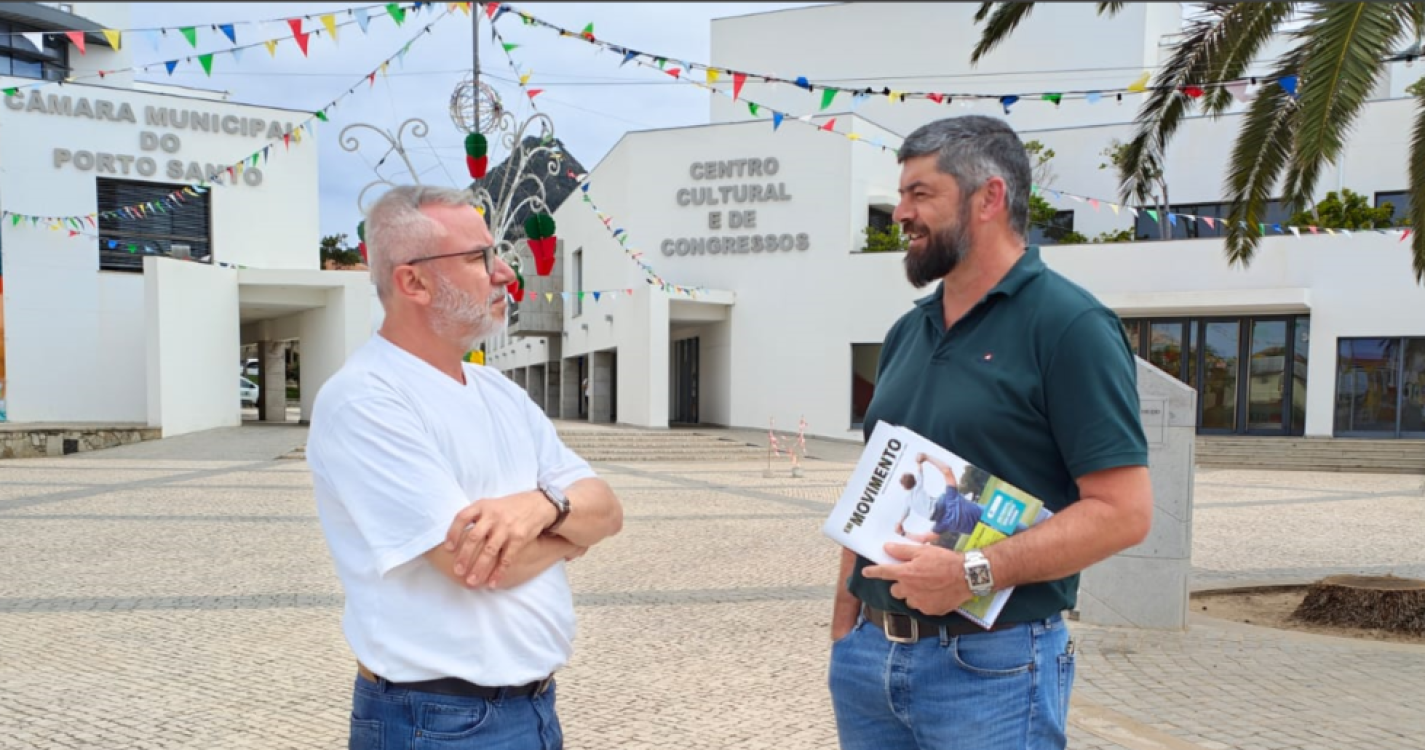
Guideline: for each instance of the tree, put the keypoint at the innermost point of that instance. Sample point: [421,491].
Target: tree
[335,250]
[1350,210]
[1117,155]
[888,240]
[1041,211]
[1296,124]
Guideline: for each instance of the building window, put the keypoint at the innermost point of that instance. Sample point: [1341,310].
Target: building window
[577,297]
[180,231]
[1053,232]
[878,218]
[1182,227]
[1399,201]
[865,361]
[1380,387]
[20,57]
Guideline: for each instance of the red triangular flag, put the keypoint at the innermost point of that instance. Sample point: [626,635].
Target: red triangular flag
[490,9]
[673,72]
[534,92]
[287,140]
[77,39]
[296,24]
[737,80]
[935,98]
[1403,236]
[830,124]
[371,77]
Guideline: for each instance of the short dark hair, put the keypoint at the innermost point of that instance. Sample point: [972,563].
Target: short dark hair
[972,149]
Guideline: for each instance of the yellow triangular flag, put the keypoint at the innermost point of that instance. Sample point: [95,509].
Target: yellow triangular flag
[549,297]
[113,37]
[383,67]
[329,21]
[712,76]
[894,95]
[524,79]
[854,136]
[466,7]
[1141,84]
[297,135]
[271,47]
[1114,206]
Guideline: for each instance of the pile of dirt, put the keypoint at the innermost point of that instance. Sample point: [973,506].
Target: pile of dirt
[1275,607]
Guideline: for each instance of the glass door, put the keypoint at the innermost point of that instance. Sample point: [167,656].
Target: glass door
[1412,390]
[1266,377]
[1217,395]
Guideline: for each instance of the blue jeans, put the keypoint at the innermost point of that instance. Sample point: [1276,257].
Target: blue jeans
[384,717]
[1003,690]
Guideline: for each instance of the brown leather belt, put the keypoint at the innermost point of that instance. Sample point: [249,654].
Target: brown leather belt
[459,687]
[901,628]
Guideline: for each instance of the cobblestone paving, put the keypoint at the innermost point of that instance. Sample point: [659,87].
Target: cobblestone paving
[184,598]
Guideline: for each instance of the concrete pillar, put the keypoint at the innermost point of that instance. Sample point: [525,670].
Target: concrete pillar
[1147,586]
[553,374]
[601,399]
[536,385]
[272,381]
[569,390]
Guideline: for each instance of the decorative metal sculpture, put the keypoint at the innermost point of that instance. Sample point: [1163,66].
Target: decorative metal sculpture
[352,143]
[462,108]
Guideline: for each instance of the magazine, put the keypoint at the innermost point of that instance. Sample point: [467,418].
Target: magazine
[909,490]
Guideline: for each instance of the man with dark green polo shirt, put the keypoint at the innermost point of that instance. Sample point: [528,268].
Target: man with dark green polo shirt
[1022,373]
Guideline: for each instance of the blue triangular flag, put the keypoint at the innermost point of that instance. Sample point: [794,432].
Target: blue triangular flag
[584,187]
[113,244]
[1173,219]
[596,296]
[1289,84]
[237,54]
[1092,97]
[502,11]
[152,36]
[628,54]
[171,64]
[1278,229]
[802,81]
[227,28]
[361,18]
[776,120]
[858,100]
[1006,101]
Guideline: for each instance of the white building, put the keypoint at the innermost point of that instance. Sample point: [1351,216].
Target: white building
[139,321]
[795,333]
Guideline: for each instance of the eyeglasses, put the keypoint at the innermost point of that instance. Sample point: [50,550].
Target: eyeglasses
[491,256]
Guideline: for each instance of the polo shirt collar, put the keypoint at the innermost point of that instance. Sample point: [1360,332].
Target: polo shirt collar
[1026,269]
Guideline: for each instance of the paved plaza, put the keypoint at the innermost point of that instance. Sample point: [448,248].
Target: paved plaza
[178,594]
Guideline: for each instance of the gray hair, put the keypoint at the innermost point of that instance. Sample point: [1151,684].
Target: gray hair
[397,231]
[972,149]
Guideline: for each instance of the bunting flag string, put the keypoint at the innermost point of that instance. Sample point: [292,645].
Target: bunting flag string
[204,59]
[621,236]
[1212,222]
[1239,86]
[233,171]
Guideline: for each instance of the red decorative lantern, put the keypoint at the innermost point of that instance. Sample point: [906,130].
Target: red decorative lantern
[539,230]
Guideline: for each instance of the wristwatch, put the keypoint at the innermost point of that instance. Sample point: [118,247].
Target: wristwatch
[977,573]
[560,503]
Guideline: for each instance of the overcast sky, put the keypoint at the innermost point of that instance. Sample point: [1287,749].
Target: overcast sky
[589,115]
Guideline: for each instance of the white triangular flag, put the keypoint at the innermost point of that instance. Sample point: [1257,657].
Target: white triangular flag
[36,38]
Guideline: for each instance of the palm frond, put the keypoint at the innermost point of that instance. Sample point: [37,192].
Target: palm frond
[984,10]
[1345,43]
[1417,191]
[1002,21]
[1253,25]
[1261,152]
[1110,9]
[1412,17]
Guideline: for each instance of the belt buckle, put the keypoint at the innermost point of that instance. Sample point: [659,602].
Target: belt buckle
[892,637]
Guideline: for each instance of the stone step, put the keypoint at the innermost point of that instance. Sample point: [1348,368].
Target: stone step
[1313,454]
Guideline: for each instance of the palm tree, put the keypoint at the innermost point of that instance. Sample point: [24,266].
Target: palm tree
[1288,133]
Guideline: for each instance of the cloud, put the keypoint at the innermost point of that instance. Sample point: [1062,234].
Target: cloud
[591,100]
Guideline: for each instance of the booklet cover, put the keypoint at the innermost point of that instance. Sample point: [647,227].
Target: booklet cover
[910,490]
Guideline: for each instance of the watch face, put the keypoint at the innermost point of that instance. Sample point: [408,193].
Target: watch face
[979,575]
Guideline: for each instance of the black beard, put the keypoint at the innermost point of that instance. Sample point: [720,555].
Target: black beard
[943,251]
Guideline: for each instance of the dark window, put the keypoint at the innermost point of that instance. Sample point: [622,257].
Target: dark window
[879,219]
[865,361]
[20,57]
[1054,231]
[1208,221]
[176,229]
[1380,387]
[1399,201]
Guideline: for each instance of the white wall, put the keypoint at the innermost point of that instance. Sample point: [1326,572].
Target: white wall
[72,329]
[192,335]
[329,334]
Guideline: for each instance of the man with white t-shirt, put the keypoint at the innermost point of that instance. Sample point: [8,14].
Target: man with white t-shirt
[448,501]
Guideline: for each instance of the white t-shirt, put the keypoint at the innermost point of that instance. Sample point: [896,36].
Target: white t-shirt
[396,449]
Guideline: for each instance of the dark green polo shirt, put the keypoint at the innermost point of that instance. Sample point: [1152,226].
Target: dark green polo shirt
[1036,384]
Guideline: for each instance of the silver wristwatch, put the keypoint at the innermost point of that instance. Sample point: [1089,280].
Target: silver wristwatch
[977,573]
[561,507]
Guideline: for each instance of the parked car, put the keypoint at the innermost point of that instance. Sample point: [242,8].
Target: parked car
[249,368]
[247,390]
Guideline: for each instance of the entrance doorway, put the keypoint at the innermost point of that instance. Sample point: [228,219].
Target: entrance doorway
[1250,373]
[683,385]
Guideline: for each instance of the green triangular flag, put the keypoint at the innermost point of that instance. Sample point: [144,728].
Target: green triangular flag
[1053,98]
[14,220]
[509,47]
[589,29]
[207,61]
[1151,213]
[661,62]
[398,14]
[12,91]
[827,96]
[581,296]
[133,249]
[191,34]
[752,107]
[322,116]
